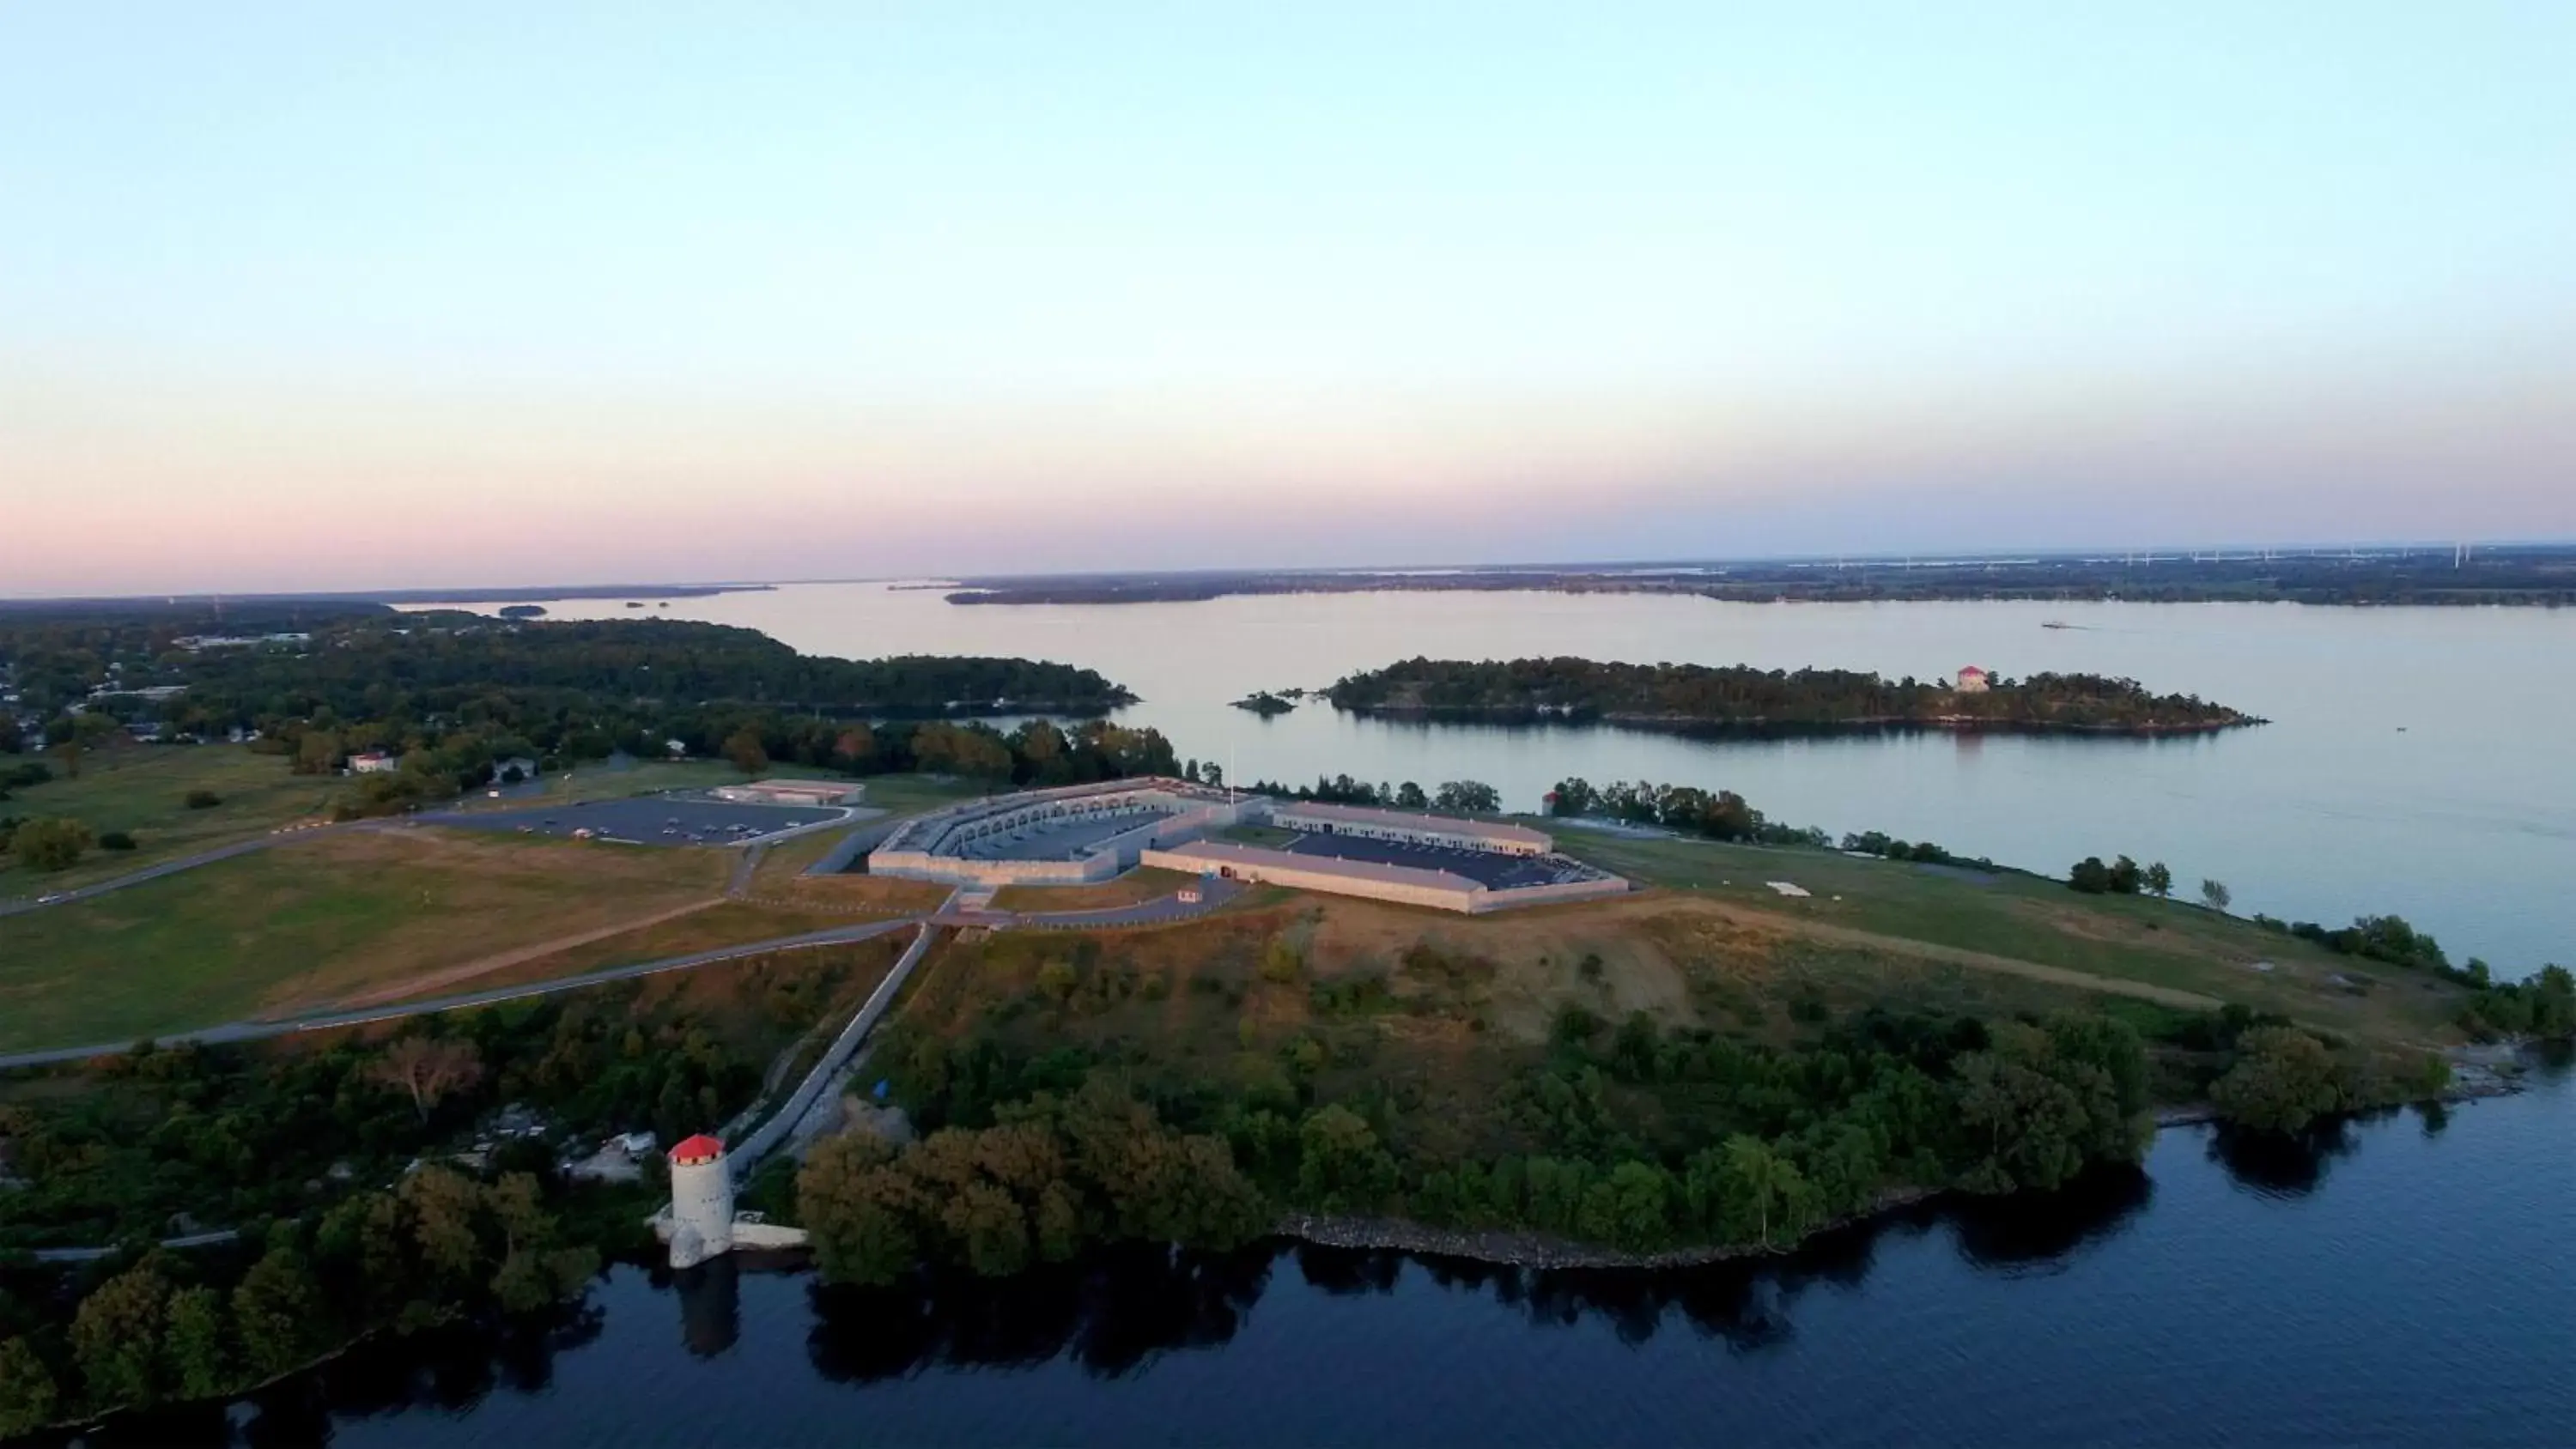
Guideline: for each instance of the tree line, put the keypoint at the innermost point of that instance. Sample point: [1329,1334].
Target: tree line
[1717,815]
[1034,1157]
[331,1159]
[1684,695]
[1455,797]
[436,1246]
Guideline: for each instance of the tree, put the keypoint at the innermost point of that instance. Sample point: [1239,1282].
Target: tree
[1756,1181]
[28,1394]
[1409,796]
[1056,980]
[2283,1080]
[116,1339]
[50,842]
[2159,881]
[277,1312]
[440,1206]
[317,752]
[1340,1165]
[428,1068]
[2215,895]
[744,748]
[1470,797]
[2125,876]
[860,1211]
[196,1347]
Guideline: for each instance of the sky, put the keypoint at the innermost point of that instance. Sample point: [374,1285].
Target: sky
[333,296]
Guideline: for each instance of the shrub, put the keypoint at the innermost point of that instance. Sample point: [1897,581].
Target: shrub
[116,840]
[2283,1080]
[50,844]
[203,800]
[1279,962]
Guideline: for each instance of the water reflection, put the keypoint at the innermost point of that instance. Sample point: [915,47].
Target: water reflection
[1116,1313]
[449,1369]
[710,1297]
[1110,1314]
[2281,1164]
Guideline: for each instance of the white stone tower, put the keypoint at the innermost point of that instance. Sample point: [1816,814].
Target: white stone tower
[701,1202]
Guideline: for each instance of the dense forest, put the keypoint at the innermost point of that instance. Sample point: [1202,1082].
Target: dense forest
[455,697]
[384,665]
[315,1154]
[1687,696]
[1628,1136]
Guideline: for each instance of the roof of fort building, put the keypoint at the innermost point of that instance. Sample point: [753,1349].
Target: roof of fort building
[1493,830]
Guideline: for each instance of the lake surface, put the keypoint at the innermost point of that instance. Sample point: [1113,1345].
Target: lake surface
[2421,761]
[2407,1279]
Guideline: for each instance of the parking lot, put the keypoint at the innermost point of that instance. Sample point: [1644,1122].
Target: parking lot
[1490,869]
[645,820]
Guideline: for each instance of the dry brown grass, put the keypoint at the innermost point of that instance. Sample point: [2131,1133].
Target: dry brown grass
[863,895]
[720,924]
[318,921]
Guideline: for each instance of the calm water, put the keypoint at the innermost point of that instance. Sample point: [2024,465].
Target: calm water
[2420,760]
[2403,1280]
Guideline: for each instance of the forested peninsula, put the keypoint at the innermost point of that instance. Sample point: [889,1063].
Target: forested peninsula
[1699,697]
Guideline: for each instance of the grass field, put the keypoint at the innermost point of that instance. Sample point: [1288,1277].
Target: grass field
[912,794]
[1141,884]
[726,923]
[315,922]
[143,789]
[2168,945]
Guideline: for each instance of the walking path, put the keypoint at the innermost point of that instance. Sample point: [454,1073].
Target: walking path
[283,835]
[241,1031]
[791,1116]
[504,960]
[964,910]
[382,1004]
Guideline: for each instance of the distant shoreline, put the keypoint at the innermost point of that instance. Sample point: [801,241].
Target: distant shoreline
[2526,575]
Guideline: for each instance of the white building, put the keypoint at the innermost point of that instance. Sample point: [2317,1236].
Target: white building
[791,792]
[701,1202]
[1972,680]
[700,1222]
[374,762]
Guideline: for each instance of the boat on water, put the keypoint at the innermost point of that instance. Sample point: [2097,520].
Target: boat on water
[2055,624]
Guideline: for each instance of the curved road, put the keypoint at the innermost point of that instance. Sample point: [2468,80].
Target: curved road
[239,1031]
[174,866]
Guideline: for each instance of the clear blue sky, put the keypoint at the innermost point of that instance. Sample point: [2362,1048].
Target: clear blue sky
[335,295]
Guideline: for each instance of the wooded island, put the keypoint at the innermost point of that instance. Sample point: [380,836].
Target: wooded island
[1697,697]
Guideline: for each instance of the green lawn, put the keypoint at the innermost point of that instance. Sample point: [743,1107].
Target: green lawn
[912,794]
[143,789]
[314,922]
[2031,918]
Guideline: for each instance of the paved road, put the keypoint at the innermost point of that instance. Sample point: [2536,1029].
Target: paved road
[176,865]
[452,816]
[1214,893]
[240,1031]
